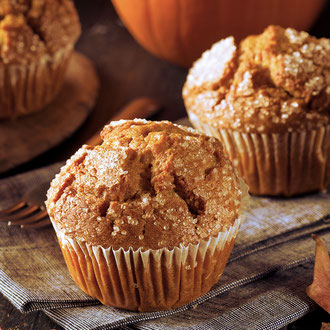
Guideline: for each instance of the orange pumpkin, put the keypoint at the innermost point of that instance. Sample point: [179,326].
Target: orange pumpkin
[180,30]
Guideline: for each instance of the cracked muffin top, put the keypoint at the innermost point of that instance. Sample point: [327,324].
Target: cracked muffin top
[148,185]
[30,29]
[273,82]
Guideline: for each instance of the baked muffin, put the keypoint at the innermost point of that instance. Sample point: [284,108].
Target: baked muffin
[267,99]
[147,220]
[36,41]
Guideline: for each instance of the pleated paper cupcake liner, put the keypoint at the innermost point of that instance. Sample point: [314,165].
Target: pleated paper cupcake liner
[27,88]
[285,164]
[148,280]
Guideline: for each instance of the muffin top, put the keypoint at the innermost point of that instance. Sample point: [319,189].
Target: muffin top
[30,29]
[277,81]
[148,185]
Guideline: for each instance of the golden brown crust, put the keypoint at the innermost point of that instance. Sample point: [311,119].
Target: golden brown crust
[149,185]
[31,29]
[274,82]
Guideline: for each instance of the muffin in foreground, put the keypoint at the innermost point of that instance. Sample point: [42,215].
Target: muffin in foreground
[267,99]
[147,220]
[36,43]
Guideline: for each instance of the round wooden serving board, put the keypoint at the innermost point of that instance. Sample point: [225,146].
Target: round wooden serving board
[27,137]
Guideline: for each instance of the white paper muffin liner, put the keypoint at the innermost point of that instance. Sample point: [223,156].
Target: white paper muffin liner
[285,164]
[148,280]
[26,88]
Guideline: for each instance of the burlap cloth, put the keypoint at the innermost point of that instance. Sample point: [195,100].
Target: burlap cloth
[263,286]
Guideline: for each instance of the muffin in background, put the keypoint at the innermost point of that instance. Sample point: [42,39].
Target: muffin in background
[147,220]
[267,99]
[36,41]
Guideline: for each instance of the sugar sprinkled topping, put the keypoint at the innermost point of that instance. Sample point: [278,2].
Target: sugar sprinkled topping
[271,83]
[209,68]
[150,185]
[25,40]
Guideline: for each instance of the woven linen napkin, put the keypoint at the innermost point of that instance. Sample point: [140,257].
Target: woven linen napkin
[263,285]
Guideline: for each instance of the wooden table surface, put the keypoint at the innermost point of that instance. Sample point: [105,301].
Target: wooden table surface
[126,71]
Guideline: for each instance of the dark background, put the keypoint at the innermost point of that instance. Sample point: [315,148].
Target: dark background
[126,71]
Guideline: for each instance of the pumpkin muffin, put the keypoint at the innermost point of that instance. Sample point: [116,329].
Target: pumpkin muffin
[147,220]
[267,99]
[36,41]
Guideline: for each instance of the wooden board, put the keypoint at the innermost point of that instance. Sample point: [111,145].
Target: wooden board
[27,137]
